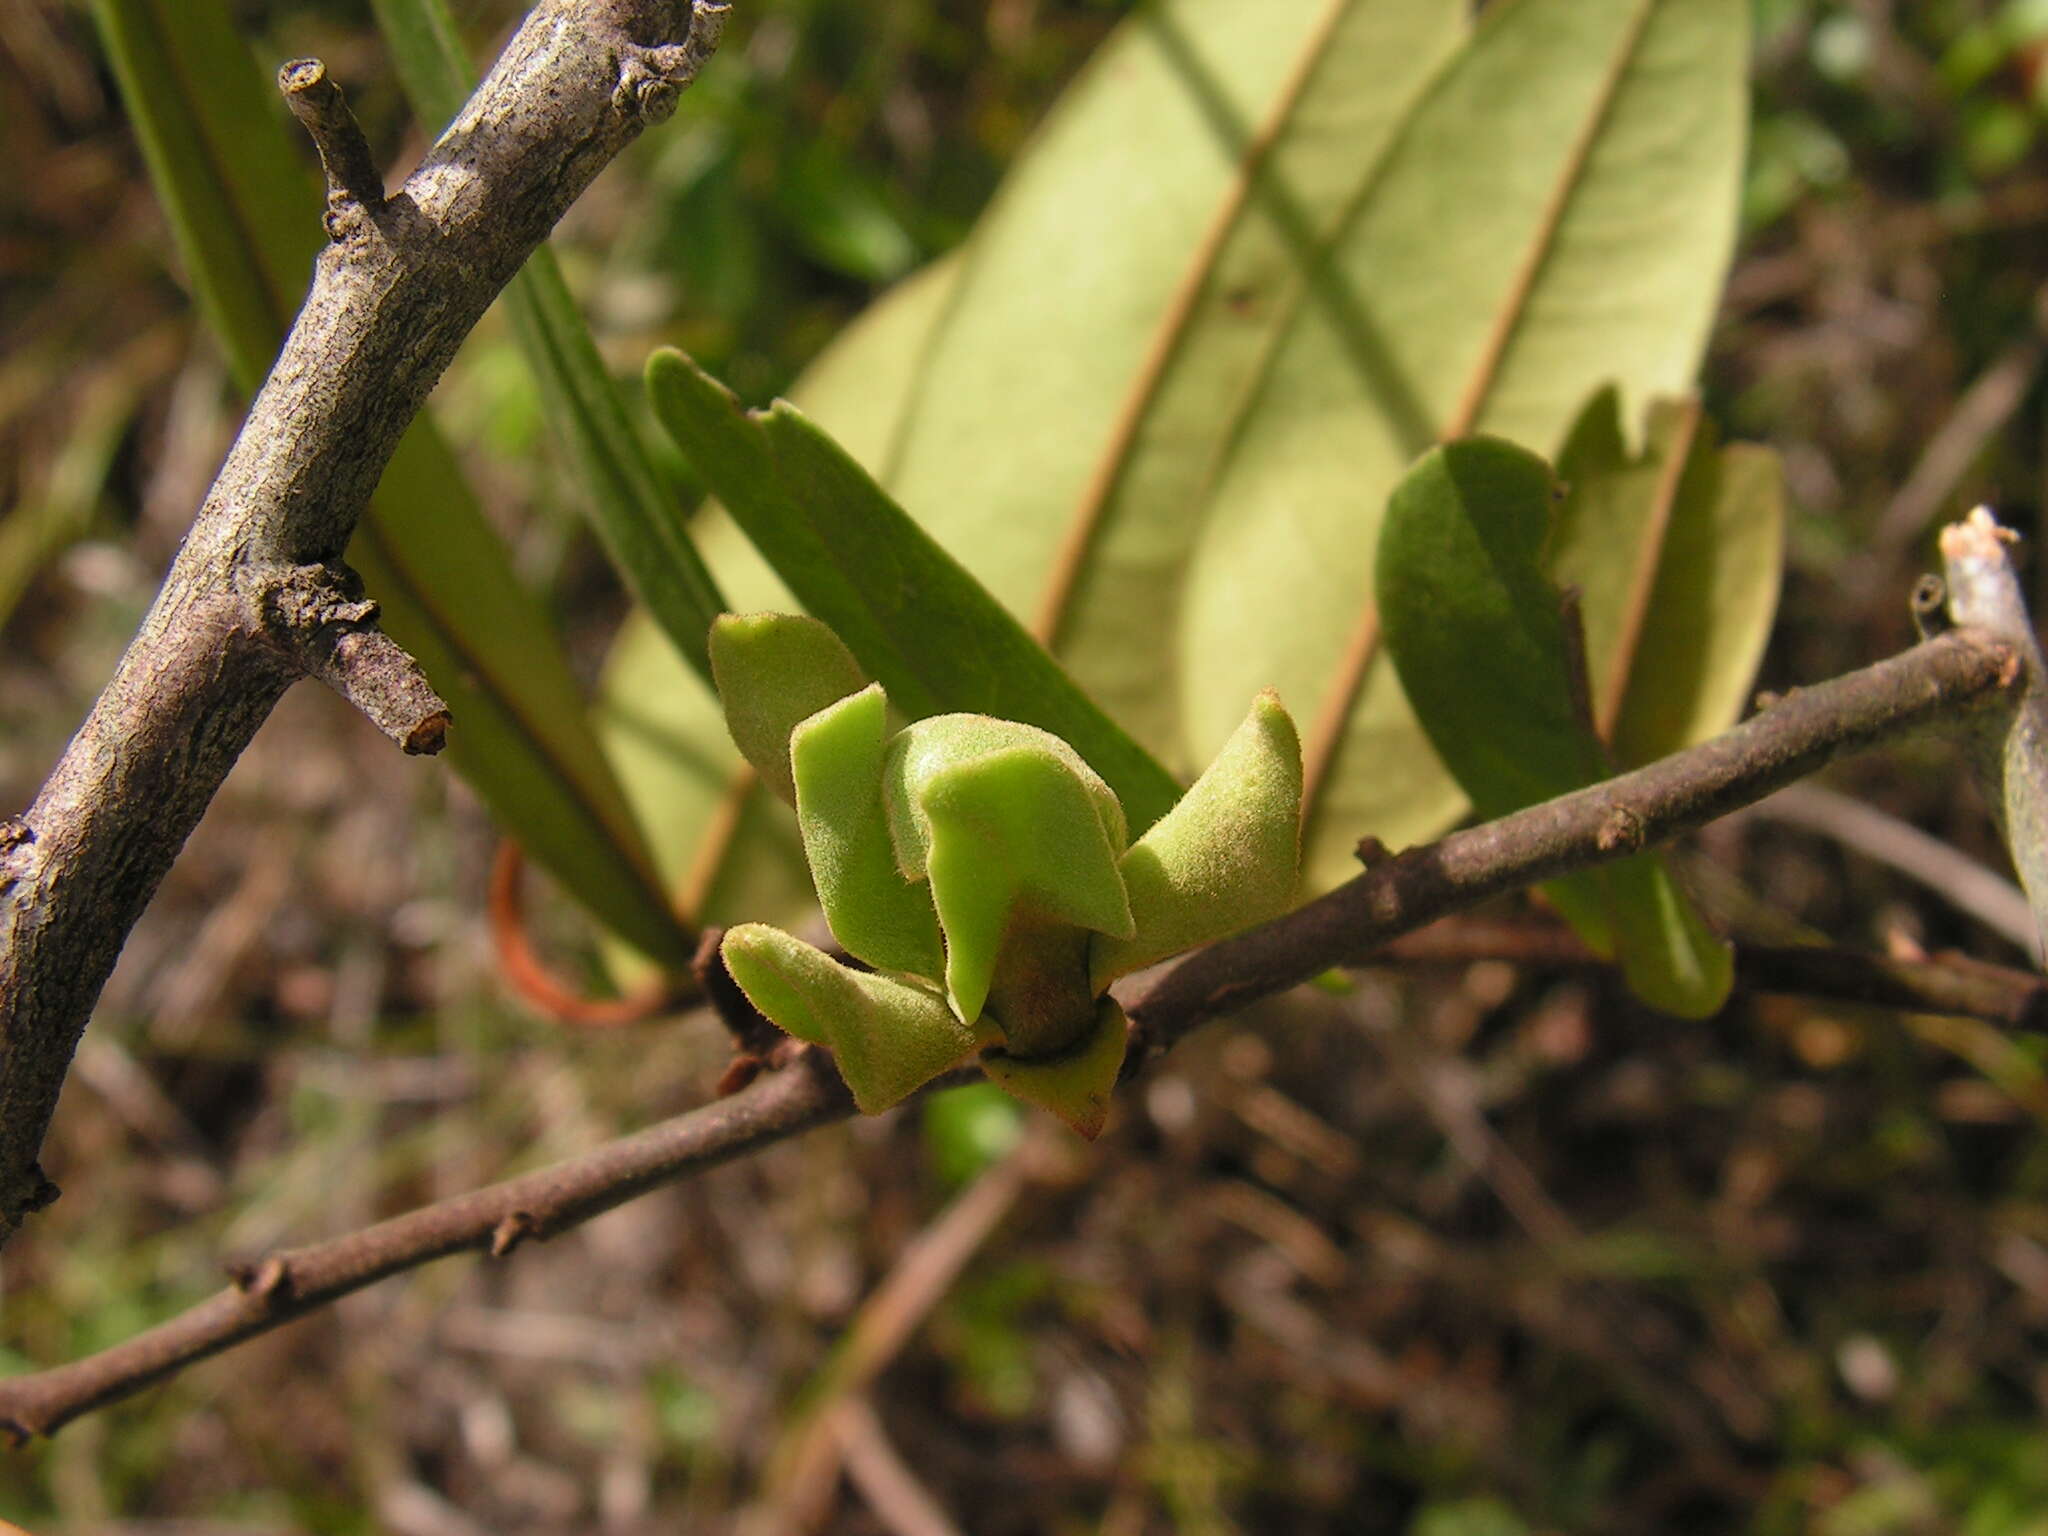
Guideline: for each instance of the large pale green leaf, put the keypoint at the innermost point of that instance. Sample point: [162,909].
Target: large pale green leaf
[1118,304]
[917,621]
[246,217]
[1076,292]
[634,514]
[1242,277]
[1478,635]
[1555,214]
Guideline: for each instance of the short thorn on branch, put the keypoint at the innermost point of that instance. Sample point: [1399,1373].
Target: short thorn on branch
[353,182]
[270,1281]
[508,1234]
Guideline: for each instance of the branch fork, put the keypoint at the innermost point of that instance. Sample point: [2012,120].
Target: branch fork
[256,598]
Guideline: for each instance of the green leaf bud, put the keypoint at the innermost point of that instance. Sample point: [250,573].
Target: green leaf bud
[878,914]
[889,1037]
[1226,857]
[1011,827]
[775,670]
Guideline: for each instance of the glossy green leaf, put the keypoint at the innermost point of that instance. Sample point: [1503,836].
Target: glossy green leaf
[633,512]
[246,215]
[1477,633]
[1226,857]
[888,1037]
[774,671]
[1684,542]
[905,608]
[872,905]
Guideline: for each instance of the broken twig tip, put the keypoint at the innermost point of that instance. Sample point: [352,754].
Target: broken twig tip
[429,736]
[317,102]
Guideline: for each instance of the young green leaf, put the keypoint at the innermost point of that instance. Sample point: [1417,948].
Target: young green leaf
[774,671]
[1226,857]
[907,610]
[1477,635]
[1013,830]
[889,1037]
[1078,1086]
[871,904]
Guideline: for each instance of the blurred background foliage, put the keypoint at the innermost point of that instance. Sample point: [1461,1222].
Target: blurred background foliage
[1476,1250]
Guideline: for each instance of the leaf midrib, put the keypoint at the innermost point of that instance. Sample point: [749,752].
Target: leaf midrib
[1327,733]
[1175,325]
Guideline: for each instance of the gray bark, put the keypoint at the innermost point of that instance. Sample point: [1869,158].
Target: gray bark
[258,596]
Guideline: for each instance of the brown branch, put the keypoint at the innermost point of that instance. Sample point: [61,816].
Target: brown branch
[319,614]
[317,102]
[1948,984]
[1796,735]
[495,1220]
[239,617]
[1943,679]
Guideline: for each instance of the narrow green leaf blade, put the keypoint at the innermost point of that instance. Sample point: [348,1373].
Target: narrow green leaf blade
[245,213]
[1477,634]
[908,611]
